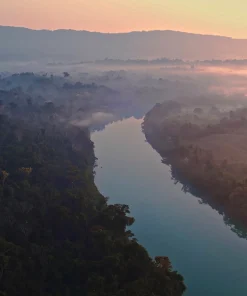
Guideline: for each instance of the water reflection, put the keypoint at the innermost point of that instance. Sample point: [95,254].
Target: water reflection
[234,225]
[201,243]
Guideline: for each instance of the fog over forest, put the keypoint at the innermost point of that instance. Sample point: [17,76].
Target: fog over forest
[58,234]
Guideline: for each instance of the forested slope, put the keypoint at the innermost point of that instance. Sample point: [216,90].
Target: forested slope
[58,234]
[207,152]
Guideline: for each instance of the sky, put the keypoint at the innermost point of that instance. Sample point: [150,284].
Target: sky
[218,17]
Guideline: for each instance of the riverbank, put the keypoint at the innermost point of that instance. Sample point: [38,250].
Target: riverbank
[206,153]
[169,221]
[58,234]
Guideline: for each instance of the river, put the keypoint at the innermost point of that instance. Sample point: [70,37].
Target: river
[169,222]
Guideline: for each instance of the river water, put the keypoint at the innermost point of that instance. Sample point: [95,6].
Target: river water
[169,222]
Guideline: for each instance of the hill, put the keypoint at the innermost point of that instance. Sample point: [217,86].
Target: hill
[23,44]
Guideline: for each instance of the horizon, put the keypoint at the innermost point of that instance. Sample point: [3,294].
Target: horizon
[124,32]
[114,112]
[220,18]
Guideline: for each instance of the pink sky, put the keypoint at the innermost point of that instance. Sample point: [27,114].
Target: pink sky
[221,17]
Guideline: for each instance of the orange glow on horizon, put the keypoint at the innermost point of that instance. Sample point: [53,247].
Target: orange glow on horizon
[221,17]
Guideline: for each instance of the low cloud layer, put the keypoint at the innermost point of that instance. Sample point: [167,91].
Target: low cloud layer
[93,119]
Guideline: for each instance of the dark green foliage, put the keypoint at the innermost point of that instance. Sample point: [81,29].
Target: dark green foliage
[58,235]
[221,184]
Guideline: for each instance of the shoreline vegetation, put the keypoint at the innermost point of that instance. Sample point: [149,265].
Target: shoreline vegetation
[58,234]
[205,147]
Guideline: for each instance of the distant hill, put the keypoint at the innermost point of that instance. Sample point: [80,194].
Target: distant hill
[23,44]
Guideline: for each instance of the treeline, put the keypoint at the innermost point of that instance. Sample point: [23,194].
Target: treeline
[174,62]
[141,61]
[221,183]
[41,92]
[58,234]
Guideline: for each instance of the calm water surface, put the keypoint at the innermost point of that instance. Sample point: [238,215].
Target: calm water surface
[212,259]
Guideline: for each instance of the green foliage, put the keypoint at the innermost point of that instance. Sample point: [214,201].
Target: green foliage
[223,185]
[58,235]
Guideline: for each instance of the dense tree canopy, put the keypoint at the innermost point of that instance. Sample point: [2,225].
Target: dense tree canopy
[58,234]
[220,181]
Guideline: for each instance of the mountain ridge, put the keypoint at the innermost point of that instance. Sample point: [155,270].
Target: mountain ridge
[121,33]
[23,44]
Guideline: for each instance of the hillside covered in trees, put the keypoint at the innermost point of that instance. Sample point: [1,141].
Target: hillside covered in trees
[68,45]
[58,234]
[206,147]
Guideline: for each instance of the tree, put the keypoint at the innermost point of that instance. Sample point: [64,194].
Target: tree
[66,74]
[198,111]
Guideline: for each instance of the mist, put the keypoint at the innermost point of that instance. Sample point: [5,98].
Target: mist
[98,92]
[162,102]
[94,119]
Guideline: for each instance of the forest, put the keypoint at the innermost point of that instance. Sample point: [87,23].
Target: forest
[206,147]
[58,234]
